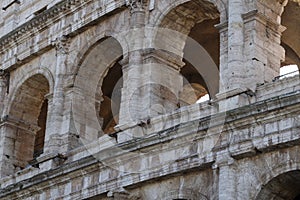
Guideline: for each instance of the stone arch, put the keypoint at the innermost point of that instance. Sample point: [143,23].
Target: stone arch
[108,97]
[191,93]
[25,123]
[290,39]
[95,39]
[284,186]
[169,5]
[189,26]
[277,172]
[43,71]
[97,60]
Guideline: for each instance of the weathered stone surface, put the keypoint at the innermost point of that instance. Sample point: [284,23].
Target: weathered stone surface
[135,69]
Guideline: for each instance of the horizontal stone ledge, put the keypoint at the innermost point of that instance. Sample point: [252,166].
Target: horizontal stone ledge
[187,164]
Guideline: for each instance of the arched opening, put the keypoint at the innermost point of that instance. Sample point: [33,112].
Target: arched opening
[290,40]
[285,186]
[40,135]
[27,123]
[111,95]
[201,48]
[99,85]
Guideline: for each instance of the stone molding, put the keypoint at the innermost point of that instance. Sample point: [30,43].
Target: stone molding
[54,13]
[119,194]
[20,124]
[4,79]
[39,21]
[136,5]
[256,15]
[151,55]
[62,45]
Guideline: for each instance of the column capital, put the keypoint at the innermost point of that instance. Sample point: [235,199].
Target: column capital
[257,16]
[224,158]
[152,55]
[120,194]
[62,44]
[20,124]
[4,78]
[137,5]
[163,57]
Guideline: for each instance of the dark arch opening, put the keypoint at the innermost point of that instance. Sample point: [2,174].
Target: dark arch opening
[290,40]
[284,186]
[111,90]
[197,20]
[297,197]
[95,79]
[27,117]
[40,135]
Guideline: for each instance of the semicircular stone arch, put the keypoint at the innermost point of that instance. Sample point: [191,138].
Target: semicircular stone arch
[290,40]
[25,122]
[91,40]
[98,60]
[46,73]
[186,30]
[284,171]
[284,186]
[164,7]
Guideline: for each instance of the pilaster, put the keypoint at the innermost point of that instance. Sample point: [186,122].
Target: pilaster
[16,145]
[4,83]
[149,76]
[225,165]
[254,54]
[57,133]
[157,93]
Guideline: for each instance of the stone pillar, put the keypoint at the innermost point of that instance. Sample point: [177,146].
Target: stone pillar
[227,173]
[57,138]
[263,53]
[3,89]
[16,145]
[132,65]
[254,51]
[149,75]
[223,30]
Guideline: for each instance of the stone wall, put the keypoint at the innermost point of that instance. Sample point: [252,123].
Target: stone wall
[230,147]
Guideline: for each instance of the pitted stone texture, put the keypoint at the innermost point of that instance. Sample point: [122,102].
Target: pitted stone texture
[192,152]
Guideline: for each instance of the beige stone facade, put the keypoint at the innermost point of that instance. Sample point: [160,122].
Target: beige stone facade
[99,99]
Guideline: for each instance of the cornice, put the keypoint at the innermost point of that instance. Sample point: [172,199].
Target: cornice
[44,21]
[39,21]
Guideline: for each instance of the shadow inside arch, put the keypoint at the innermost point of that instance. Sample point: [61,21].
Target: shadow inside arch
[284,186]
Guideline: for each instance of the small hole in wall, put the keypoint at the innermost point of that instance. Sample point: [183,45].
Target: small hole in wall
[7,156]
